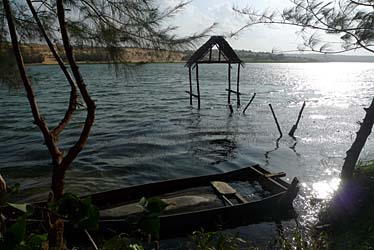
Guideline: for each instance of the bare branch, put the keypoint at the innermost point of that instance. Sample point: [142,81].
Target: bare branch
[78,146]
[73,92]
[361,4]
[39,121]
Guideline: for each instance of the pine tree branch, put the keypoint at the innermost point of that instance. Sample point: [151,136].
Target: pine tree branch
[361,4]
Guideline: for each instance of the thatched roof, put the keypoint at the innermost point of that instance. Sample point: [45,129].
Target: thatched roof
[223,46]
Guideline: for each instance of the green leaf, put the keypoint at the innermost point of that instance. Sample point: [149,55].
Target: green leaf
[90,215]
[15,234]
[36,240]
[155,205]
[68,204]
[79,212]
[22,207]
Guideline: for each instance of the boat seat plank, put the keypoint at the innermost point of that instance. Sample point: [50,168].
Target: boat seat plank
[275,175]
[226,191]
[223,187]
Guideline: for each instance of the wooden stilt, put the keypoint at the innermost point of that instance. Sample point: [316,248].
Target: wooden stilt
[198,86]
[294,127]
[231,109]
[229,79]
[207,54]
[237,87]
[276,121]
[189,74]
[253,97]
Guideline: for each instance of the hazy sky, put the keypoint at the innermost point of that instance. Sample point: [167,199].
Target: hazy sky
[200,14]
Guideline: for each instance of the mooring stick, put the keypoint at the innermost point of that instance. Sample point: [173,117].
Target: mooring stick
[276,121]
[249,103]
[294,127]
[231,109]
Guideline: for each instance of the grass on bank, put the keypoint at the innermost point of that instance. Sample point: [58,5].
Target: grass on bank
[351,212]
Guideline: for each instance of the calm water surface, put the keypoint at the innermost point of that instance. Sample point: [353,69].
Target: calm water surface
[145,129]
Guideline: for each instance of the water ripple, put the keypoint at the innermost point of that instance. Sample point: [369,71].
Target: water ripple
[146,131]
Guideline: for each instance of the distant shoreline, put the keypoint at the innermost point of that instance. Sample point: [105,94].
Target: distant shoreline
[36,54]
[142,63]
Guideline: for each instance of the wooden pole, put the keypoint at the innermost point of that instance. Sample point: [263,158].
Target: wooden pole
[190,76]
[294,127]
[249,103]
[229,78]
[231,109]
[237,86]
[198,86]
[276,121]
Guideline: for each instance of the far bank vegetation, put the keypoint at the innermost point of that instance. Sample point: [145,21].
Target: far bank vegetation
[40,54]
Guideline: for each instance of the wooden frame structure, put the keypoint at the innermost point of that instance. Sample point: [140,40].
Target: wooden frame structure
[207,54]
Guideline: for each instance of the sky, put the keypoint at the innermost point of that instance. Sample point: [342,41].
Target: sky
[200,14]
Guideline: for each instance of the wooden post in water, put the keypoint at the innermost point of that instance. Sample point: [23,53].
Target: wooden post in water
[276,121]
[294,127]
[229,90]
[253,97]
[237,86]
[190,76]
[198,86]
[231,109]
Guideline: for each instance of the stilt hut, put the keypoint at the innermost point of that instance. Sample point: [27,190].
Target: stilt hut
[215,50]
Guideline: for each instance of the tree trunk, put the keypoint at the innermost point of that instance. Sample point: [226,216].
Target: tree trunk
[39,121]
[56,232]
[354,152]
[78,146]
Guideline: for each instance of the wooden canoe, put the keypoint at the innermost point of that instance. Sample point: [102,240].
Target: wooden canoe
[195,202]
[211,202]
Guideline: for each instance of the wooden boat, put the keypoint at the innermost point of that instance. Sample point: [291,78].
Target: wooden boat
[209,202]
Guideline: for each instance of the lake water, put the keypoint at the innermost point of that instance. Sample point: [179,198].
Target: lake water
[145,129]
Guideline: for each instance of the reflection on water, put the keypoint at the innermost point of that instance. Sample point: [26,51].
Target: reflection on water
[146,131]
[325,189]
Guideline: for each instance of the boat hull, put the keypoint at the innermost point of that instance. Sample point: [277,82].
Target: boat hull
[277,206]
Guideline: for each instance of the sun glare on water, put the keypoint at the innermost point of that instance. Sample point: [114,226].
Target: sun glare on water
[331,78]
[334,82]
[325,189]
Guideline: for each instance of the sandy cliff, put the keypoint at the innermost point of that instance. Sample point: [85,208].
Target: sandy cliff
[36,53]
